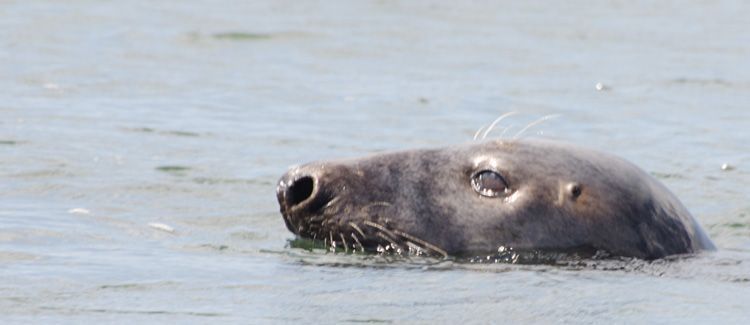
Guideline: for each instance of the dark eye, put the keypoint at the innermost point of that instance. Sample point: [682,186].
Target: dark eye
[489,183]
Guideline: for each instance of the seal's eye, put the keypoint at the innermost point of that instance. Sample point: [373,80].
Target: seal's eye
[489,183]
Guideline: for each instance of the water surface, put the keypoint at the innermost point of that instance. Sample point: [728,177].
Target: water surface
[141,144]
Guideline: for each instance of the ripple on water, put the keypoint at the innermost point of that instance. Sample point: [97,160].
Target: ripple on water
[174,170]
[130,311]
[723,266]
[245,36]
[9,257]
[231,181]
[241,36]
[665,176]
[137,286]
[179,133]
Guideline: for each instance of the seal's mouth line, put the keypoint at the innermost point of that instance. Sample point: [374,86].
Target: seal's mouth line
[422,242]
[363,236]
[370,236]
[412,242]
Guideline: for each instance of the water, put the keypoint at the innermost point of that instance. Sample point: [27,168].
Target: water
[122,121]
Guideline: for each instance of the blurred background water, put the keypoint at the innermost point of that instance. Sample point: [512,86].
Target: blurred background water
[140,145]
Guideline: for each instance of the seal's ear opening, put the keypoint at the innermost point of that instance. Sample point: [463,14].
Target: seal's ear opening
[574,190]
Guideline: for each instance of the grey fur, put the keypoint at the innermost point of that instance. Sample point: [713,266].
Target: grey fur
[563,197]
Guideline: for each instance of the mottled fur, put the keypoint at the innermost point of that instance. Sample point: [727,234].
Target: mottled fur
[422,200]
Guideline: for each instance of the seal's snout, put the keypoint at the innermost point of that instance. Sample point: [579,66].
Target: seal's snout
[295,192]
[297,189]
[302,193]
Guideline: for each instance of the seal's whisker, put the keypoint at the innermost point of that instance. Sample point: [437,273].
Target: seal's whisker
[381,228]
[330,203]
[361,247]
[391,237]
[317,218]
[506,129]
[544,118]
[374,204]
[393,234]
[419,250]
[422,242]
[476,135]
[393,243]
[357,229]
[497,120]
[333,243]
[343,241]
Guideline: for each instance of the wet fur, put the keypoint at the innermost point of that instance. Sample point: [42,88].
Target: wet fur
[421,201]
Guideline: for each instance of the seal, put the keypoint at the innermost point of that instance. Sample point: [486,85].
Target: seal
[475,199]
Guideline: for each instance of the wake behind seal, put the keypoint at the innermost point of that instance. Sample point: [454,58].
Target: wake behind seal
[474,199]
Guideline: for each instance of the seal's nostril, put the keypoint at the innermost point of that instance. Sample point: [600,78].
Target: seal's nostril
[299,191]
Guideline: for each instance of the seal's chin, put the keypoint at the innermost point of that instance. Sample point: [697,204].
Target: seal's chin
[363,233]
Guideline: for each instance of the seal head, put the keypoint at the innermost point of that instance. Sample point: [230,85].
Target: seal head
[475,199]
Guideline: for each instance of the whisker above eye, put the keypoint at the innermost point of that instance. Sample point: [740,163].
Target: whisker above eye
[494,123]
[476,135]
[532,124]
[505,130]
